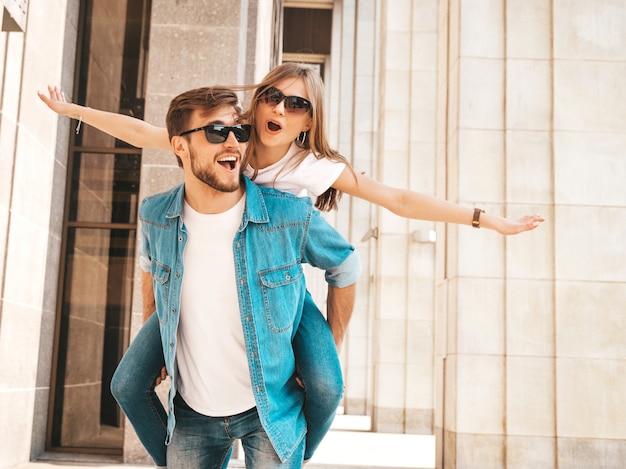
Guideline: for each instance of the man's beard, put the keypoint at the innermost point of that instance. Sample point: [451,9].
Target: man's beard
[210,178]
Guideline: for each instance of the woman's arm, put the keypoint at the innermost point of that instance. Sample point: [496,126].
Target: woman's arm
[409,204]
[126,128]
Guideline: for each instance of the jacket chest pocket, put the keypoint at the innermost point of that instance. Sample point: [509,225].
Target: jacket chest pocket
[160,280]
[281,288]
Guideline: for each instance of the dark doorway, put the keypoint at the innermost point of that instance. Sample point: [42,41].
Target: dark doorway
[99,234]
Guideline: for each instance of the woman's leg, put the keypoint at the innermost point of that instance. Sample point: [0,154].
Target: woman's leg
[133,384]
[320,371]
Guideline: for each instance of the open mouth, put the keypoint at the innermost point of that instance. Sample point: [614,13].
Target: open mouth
[273,126]
[228,162]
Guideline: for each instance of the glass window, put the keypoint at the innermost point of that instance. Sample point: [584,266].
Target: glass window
[307,30]
[99,237]
[307,34]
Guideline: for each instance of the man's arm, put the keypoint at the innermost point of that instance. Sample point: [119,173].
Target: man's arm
[147,296]
[341,281]
[339,307]
[329,251]
[149,308]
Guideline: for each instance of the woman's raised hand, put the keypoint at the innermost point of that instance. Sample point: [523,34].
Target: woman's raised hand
[55,100]
[526,223]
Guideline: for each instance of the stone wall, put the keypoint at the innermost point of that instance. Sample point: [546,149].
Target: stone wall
[529,331]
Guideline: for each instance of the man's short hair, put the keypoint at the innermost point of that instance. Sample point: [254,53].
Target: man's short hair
[206,100]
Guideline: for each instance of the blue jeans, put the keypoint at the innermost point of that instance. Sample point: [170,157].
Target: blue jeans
[318,365]
[132,386]
[206,442]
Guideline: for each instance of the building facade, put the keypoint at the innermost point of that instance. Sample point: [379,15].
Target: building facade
[510,350]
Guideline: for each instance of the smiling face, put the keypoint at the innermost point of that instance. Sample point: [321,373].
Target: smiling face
[275,126]
[213,165]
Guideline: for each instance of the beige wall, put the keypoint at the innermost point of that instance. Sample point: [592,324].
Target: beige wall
[529,332]
[33,152]
[382,99]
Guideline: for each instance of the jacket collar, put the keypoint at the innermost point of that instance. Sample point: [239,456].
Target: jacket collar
[256,211]
[175,208]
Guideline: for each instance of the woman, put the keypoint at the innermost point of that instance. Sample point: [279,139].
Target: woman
[288,150]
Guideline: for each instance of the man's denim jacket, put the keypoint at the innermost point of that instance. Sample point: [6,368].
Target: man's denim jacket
[278,233]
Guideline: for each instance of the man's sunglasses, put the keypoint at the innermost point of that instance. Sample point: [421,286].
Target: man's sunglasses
[294,104]
[218,133]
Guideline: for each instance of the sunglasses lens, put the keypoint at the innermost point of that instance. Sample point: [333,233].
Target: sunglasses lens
[272,96]
[219,133]
[293,104]
[215,136]
[242,132]
[296,104]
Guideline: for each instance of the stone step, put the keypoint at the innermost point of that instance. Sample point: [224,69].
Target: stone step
[349,445]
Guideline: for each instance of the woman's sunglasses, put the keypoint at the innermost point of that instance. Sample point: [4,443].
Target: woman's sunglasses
[293,104]
[218,133]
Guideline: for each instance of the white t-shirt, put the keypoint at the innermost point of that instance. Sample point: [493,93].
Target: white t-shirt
[310,176]
[211,355]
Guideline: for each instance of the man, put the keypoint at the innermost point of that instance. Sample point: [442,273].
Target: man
[222,259]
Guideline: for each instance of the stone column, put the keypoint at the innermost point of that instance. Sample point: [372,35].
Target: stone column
[33,158]
[529,339]
[405,256]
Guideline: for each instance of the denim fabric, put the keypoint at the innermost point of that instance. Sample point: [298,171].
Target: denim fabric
[132,387]
[201,442]
[316,360]
[278,233]
[319,369]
